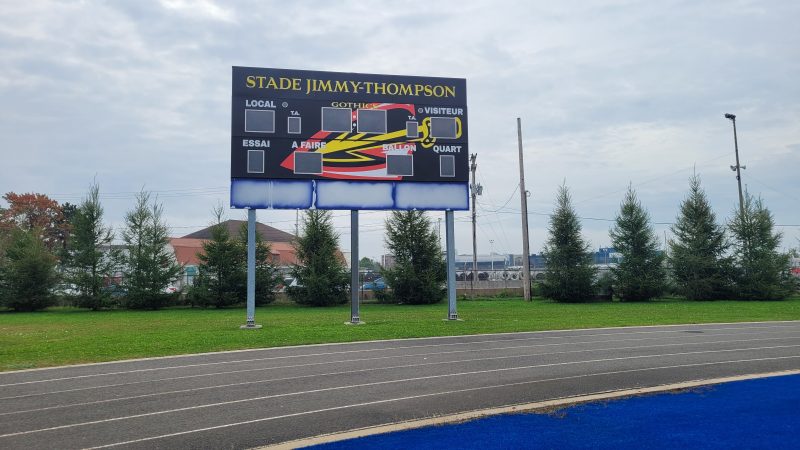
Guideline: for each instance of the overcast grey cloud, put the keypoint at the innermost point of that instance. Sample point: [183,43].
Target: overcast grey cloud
[137,94]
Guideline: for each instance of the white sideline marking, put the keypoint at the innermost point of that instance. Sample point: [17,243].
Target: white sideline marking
[154,369]
[405,366]
[355,405]
[477,414]
[404,380]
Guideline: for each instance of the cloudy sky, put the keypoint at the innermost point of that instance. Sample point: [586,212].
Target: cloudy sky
[137,95]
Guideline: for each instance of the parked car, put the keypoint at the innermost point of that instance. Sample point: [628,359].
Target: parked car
[377,285]
[115,290]
[288,282]
[66,289]
[170,290]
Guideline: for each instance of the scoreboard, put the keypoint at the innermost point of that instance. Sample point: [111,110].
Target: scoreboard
[303,139]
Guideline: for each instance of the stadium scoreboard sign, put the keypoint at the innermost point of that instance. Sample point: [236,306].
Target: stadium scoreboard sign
[303,139]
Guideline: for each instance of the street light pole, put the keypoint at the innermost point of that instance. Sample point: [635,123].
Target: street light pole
[491,255]
[738,167]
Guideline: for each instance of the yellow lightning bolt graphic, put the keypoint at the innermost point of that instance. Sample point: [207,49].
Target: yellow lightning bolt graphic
[346,146]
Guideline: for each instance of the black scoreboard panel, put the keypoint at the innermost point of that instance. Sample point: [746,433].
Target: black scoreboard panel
[290,124]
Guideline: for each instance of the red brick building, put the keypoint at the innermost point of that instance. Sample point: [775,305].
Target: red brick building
[187,248]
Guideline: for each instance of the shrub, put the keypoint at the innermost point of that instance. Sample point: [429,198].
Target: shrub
[28,272]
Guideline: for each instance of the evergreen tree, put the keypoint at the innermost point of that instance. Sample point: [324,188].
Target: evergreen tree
[419,273]
[148,266]
[88,265]
[28,271]
[65,227]
[699,265]
[761,271]
[640,275]
[267,275]
[321,274]
[569,273]
[222,272]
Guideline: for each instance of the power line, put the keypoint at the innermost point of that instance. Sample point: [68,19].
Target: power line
[652,180]
[506,241]
[750,176]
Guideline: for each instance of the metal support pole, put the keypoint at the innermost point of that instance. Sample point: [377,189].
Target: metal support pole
[354,281]
[251,271]
[491,253]
[738,167]
[523,195]
[451,265]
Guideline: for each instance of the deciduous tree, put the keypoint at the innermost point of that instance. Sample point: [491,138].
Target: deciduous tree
[36,212]
[367,264]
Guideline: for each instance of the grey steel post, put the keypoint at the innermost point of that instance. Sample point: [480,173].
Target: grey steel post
[354,282]
[523,195]
[732,118]
[451,265]
[251,271]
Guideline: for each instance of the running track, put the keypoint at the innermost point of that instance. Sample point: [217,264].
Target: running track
[261,397]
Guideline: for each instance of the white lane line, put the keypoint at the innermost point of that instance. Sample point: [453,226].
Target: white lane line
[373,369]
[414,397]
[409,355]
[271,358]
[378,383]
[513,409]
[575,331]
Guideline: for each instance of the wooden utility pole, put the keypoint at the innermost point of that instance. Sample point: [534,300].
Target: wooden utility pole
[523,195]
[474,188]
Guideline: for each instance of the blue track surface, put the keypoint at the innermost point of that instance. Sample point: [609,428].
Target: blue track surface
[762,413]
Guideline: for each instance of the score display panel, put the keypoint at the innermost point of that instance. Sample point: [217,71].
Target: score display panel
[303,139]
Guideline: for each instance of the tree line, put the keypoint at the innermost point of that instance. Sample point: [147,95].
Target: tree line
[704,261]
[45,247]
[51,252]
[43,244]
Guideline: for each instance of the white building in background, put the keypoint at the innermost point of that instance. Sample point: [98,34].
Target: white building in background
[387,261]
[485,262]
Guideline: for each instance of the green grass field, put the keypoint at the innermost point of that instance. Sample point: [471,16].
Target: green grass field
[71,336]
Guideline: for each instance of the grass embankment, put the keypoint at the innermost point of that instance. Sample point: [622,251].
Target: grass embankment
[71,336]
